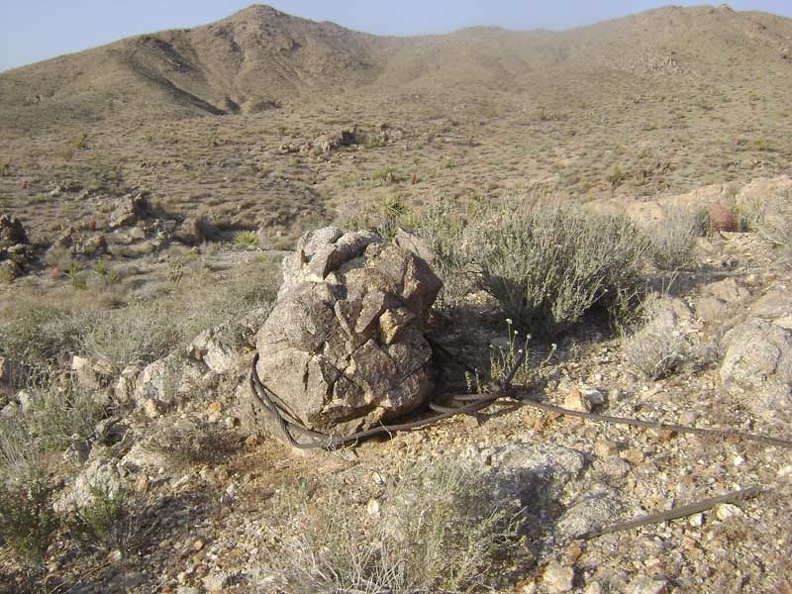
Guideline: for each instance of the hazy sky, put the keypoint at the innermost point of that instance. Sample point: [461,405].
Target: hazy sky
[33,30]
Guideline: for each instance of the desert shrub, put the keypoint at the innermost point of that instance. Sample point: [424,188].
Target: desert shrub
[548,266]
[141,331]
[442,528]
[384,217]
[661,346]
[615,175]
[111,521]
[60,413]
[27,521]
[246,238]
[656,350]
[443,227]
[54,416]
[34,332]
[388,175]
[144,331]
[510,358]
[185,443]
[673,239]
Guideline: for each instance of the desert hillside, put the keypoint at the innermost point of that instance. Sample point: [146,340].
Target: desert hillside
[289,308]
[647,105]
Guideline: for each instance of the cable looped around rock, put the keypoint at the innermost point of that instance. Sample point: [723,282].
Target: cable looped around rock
[292,428]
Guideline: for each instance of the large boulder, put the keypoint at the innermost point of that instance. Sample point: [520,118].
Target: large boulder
[757,369]
[344,347]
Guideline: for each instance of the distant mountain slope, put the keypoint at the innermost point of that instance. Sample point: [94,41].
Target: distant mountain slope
[260,58]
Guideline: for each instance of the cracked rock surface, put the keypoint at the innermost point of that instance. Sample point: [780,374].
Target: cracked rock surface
[344,346]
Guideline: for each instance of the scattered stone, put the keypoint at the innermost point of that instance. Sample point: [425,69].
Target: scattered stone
[333,140]
[557,578]
[124,389]
[77,452]
[724,511]
[589,512]
[11,232]
[216,582]
[165,379]
[9,270]
[216,348]
[605,448]
[191,231]
[91,373]
[151,408]
[91,245]
[129,210]
[633,455]
[647,585]
[615,467]
[140,458]
[577,402]
[98,478]
[757,369]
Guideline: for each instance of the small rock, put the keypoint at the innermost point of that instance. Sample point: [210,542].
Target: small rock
[647,585]
[615,467]
[191,231]
[757,369]
[557,578]
[9,270]
[129,210]
[577,402]
[605,448]
[373,508]
[593,588]
[216,348]
[151,408]
[11,231]
[633,456]
[724,511]
[216,582]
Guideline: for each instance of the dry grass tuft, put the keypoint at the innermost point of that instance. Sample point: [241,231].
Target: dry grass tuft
[438,526]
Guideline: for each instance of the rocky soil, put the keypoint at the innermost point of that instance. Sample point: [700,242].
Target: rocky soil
[205,489]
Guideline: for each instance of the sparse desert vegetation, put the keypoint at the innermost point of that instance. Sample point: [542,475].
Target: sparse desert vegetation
[609,211]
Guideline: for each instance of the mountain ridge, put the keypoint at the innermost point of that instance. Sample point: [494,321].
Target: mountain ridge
[259,58]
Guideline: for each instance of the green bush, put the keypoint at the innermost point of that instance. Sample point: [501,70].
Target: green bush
[246,238]
[60,413]
[549,264]
[111,521]
[35,333]
[27,521]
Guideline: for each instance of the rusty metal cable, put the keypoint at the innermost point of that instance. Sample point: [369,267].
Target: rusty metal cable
[291,428]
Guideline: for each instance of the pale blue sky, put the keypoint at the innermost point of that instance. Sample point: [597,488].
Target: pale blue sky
[33,30]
